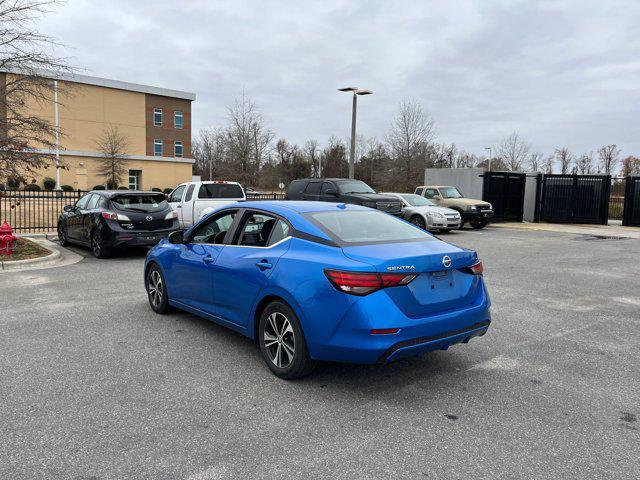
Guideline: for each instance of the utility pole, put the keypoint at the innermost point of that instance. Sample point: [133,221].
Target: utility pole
[57,128]
[352,152]
[490,156]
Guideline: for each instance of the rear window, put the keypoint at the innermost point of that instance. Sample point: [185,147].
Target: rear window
[220,190]
[361,227]
[146,202]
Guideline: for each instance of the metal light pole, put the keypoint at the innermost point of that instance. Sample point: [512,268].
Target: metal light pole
[490,156]
[352,152]
[55,115]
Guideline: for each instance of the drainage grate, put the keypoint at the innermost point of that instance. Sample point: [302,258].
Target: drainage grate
[587,238]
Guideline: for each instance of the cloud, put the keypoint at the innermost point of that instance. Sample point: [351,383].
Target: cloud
[560,73]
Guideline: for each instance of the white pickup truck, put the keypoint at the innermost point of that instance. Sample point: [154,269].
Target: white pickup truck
[193,200]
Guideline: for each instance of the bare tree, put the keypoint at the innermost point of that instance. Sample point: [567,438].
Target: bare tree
[630,166]
[113,146]
[608,155]
[411,131]
[535,161]
[312,153]
[26,139]
[584,163]
[565,158]
[513,151]
[548,164]
[209,152]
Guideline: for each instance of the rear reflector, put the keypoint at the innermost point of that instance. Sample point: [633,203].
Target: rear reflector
[384,331]
[364,283]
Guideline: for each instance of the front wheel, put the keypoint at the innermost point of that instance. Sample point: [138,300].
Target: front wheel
[282,343]
[157,290]
[478,224]
[98,248]
[63,238]
[418,221]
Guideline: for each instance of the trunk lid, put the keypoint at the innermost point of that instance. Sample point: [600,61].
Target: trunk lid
[436,288]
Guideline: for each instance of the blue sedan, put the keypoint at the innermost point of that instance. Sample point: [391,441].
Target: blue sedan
[317,281]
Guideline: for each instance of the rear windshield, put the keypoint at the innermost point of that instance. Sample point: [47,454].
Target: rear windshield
[361,227]
[141,202]
[220,190]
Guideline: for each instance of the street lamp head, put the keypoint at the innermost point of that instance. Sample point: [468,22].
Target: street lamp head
[364,92]
[348,89]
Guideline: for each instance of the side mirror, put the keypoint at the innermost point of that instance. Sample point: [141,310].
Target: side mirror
[437,197]
[177,237]
[331,192]
[68,208]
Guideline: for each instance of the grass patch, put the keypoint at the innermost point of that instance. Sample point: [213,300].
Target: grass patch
[24,249]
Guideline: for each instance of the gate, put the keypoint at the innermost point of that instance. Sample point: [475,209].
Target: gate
[631,215]
[505,191]
[573,198]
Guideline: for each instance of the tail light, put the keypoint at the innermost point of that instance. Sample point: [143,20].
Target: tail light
[476,269]
[171,215]
[115,216]
[364,283]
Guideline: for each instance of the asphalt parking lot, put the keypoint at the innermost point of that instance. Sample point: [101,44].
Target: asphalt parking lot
[96,386]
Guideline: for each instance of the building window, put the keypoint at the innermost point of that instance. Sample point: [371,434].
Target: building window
[135,179]
[177,119]
[177,149]
[157,117]
[157,147]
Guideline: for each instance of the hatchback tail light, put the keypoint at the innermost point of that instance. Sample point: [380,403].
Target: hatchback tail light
[115,216]
[364,283]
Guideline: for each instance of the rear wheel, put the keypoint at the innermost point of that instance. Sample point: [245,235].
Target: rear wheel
[282,343]
[63,239]
[98,248]
[418,221]
[478,224]
[156,290]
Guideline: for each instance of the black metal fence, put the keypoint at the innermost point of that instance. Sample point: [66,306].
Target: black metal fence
[29,211]
[505,192]
[631,217]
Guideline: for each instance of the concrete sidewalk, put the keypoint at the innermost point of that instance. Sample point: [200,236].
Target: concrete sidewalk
[578,229]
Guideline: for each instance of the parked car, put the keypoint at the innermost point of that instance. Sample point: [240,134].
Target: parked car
[476,212]
[426,214]
[316,281]
[105,219]
[193,200]
[252,191]
[342,190]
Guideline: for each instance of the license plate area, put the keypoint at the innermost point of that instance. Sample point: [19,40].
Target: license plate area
[442,279]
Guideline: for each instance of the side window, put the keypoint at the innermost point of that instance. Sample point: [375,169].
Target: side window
[419,191]
[189,194]
[326,186]
[280,232]
[256,229]
[176,195]
[313,188]
[431,192]
[214,229]
[82,203]
[93,203]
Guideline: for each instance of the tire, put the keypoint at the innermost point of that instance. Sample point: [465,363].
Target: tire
[418,221]
[276,346]
[478,224]
[63,238]
[98,248]
[157,290]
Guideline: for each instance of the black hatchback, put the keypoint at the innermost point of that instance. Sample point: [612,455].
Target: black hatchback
[105,219]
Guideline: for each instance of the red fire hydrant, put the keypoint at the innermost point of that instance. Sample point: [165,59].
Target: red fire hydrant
[6,239]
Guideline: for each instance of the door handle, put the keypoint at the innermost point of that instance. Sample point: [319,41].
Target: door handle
[178,206]
[263,264]
[207,259]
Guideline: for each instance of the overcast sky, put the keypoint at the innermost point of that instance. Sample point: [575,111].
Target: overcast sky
[561,73]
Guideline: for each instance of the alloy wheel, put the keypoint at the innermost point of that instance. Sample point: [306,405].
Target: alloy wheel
[418,221]
[155,288]
[96,244]
[62,236]
[279,340]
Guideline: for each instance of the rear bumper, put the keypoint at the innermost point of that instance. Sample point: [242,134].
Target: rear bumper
[351,339]
[120,237]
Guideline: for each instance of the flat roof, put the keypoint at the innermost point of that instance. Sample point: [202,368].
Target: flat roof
[117,84]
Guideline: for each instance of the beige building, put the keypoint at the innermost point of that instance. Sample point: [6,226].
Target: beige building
[156,123]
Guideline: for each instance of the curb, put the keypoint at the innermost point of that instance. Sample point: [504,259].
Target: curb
[52,258]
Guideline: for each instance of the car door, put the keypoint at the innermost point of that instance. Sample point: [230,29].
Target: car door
[188,207]
[175,201]
[74,219]
[243,269]
[312,191]
[433,194]
[86,219]
[192,282]
[328,192]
